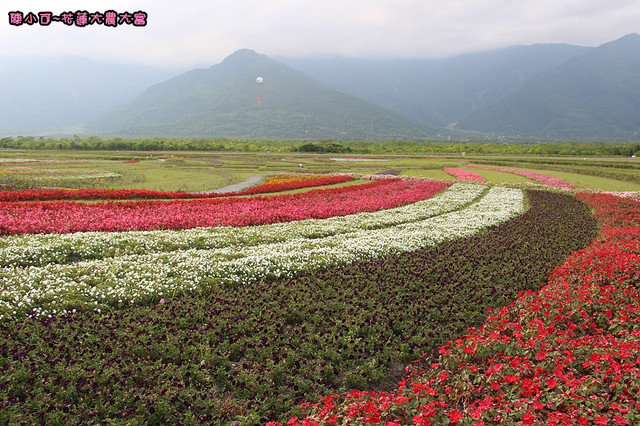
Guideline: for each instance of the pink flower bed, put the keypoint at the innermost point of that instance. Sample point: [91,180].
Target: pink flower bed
[463,174]
[71,216]
[567,354]
[539,177]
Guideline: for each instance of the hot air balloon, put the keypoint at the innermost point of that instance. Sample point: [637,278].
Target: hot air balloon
[259,80]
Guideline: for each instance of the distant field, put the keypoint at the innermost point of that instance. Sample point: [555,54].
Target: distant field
[593,182]
[192,171]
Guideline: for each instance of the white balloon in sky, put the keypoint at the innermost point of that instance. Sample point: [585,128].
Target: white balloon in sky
[259,80]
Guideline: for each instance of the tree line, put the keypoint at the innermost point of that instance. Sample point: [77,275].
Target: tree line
[570,148]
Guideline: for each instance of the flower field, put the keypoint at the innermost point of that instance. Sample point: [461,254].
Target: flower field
[115,269]
[566,354]
[221,324]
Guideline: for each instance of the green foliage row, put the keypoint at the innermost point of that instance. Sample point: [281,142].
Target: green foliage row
[253,353]
[323,148]
[370,147]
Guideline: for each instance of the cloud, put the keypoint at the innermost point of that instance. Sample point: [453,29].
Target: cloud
[201,32]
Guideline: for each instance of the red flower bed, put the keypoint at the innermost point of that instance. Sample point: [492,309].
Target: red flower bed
[287,186]
[91,194]
[463,174]
[130,194]
[567,354]
[71,216]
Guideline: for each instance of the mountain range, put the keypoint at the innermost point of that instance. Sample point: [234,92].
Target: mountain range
[593,95]
[554,91]
[227,100]
[545,91]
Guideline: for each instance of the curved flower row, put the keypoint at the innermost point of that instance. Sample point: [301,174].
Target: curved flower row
[91,194]
[287,185]
[271,185]
[463,174]
[68,216]
[292,177]
[136,278]
[567,354]
[539,177]
[41,249]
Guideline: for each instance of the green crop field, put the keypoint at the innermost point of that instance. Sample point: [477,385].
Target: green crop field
[199,171]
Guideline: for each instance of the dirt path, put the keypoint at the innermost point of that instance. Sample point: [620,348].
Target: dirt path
[237,187]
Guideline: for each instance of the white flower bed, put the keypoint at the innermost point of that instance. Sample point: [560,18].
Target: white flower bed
[150,271]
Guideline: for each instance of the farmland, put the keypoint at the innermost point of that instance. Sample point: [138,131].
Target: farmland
[145,298]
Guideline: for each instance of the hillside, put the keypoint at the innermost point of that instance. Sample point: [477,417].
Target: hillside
[226,101]
[592,96]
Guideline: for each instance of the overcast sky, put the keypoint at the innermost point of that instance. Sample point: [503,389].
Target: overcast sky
[185,34]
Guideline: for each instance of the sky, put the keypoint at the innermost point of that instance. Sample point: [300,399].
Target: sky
[194,33]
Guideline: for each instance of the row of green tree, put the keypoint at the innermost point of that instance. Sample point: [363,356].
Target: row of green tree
[360,147]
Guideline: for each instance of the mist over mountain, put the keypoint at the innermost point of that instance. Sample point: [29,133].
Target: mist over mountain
[588,97]
[438,91]
[225,100]
[554,91]
[38,94]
